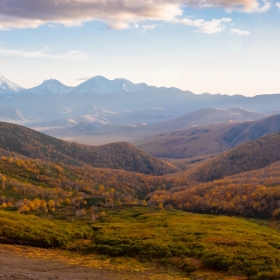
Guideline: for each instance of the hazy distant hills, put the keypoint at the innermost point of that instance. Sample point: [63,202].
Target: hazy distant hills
[197,117]
[122,155]
[11,114]
[207,116]
[118,102]
[248,156]
[208,139]
[210,115]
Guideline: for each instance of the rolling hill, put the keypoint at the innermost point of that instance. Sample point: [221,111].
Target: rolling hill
[248,156]
[121,155]
[253,193]
[208,139]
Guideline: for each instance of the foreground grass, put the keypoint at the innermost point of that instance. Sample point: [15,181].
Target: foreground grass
[191,242]
[229,244]
[16,228]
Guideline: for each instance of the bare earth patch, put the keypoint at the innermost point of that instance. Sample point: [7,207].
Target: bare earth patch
[26,263]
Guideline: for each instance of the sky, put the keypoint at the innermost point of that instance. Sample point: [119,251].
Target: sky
[216,46]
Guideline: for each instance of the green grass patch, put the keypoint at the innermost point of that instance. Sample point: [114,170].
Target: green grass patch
[17,228]
[234,245]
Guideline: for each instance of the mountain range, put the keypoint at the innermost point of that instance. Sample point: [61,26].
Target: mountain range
[128,103]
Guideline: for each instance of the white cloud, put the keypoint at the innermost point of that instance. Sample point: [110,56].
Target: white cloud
[240,32]
[209,27]
[149,27]
[70,55]
[142,29]
[277,5]
[117,14]
[263,8]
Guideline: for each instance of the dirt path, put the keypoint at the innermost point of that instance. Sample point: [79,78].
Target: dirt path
[25,263]
[17,265]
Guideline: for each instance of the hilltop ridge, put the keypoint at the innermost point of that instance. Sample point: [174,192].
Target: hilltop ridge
[120,155]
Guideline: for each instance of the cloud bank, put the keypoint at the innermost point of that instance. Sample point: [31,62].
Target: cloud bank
[117,14]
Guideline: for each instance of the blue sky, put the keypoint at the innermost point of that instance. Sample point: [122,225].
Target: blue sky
[216,46]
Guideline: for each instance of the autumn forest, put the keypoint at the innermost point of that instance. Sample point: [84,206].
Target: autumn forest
[116,201]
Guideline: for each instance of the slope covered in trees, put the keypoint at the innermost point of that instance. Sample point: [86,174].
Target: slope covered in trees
[245,157]
[37,185]
[251,194]
[116,156]
[208,139]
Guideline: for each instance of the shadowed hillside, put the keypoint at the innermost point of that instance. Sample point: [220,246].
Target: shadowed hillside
[115,156]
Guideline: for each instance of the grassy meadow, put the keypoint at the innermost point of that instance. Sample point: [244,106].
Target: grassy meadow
[189,242]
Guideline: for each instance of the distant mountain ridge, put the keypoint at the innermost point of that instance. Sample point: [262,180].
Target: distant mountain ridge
[134,103]
[102,85]
[208,139]
[97,84]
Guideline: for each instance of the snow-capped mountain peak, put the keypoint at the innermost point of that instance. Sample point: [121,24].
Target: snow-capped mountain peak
[50,86]
[7,86]
[103,85]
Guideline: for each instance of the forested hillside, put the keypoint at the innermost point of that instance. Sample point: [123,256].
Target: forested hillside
[29,185]
[251,194]
[245,157]
[115,156]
